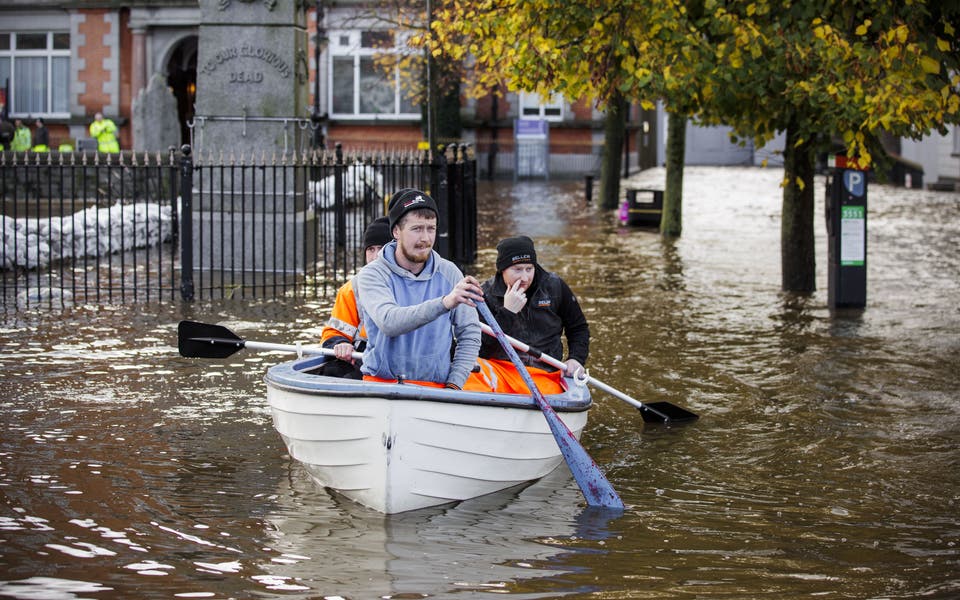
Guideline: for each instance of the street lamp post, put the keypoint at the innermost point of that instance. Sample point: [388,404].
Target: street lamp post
[318,119]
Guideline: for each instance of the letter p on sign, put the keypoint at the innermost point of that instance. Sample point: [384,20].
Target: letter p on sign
[853,181]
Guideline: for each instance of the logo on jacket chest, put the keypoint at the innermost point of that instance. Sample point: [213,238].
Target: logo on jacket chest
[543,303]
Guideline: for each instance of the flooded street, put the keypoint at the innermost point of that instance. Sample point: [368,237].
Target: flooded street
[826,462]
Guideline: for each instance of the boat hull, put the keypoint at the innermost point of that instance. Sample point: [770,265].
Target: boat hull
[396,448]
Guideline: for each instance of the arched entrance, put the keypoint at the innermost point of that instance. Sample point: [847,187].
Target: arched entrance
[181,73]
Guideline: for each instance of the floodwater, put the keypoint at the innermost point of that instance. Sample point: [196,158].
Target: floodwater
[825,464]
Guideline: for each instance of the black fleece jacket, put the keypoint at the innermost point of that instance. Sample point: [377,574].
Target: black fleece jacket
[551,311]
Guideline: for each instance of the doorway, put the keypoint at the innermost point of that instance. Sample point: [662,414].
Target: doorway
[182,79]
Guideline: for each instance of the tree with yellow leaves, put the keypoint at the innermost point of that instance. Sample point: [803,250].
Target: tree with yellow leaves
[818,71]
[828,71]
[597,49]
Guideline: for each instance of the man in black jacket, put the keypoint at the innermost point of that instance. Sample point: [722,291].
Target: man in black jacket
[534,306]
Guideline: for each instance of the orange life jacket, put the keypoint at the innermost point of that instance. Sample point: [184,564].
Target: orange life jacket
[344,321]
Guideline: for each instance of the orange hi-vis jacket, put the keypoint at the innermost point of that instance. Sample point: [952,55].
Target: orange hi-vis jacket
[501,377]
[344,323]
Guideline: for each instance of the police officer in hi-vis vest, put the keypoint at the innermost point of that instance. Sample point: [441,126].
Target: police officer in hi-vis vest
[105,132]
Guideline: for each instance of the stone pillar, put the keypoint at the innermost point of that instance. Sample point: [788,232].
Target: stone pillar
[252,100]
[251,75]
[138,79]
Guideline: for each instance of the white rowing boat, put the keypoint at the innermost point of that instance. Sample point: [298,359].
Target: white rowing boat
[400,447]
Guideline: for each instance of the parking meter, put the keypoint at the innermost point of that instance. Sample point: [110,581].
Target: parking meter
[846,212]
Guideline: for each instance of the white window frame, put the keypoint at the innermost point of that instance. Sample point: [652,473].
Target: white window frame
[13,53]
[347,43]
[535,106]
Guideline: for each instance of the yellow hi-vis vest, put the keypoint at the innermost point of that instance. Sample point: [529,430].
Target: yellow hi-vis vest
[22,140]
[106,133]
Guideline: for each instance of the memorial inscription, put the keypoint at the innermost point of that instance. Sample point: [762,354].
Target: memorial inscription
[247,51]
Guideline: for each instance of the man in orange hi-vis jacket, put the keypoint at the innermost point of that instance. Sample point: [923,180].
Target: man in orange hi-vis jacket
[343,331]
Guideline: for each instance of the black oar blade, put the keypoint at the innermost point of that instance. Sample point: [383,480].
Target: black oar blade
[664,412]
[202,340]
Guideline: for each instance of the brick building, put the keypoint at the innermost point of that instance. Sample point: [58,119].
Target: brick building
[67,60]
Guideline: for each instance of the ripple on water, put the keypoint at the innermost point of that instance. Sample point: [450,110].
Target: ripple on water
[824,462]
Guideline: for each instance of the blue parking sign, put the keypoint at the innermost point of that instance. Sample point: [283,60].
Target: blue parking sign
[854,182]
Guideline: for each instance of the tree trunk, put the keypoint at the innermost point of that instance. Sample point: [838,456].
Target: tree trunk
[797,247]
[447,119]
[614,130]
[441,123]
[671,221]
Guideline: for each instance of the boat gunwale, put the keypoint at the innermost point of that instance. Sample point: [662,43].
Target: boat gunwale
[292,376]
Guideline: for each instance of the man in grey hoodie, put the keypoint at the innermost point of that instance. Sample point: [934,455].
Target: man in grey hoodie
[416,303]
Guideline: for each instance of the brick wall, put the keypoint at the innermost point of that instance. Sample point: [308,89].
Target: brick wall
[105,71]
[95,53]
[382,136]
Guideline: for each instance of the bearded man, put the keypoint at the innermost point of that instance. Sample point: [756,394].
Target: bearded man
[415,303]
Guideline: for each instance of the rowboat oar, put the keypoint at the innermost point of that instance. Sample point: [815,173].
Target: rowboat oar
[652,412]
[593,484]
[203,340]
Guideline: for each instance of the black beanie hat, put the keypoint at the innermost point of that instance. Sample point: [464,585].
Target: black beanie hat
[409,199]
[377,233]
[515,250]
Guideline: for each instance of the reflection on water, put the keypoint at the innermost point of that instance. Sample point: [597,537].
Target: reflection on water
[331,546]
[824,463]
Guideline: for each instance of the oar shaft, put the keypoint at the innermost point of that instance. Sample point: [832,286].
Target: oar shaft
[296,349]
[560,365]
[206,340]
[615,392]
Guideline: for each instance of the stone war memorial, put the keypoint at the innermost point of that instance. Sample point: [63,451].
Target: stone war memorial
[251,109]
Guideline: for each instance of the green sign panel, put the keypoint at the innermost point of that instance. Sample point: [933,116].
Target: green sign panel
[853,236]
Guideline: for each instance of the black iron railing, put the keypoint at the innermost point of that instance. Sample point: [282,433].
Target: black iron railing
[86,228]
[89,228]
